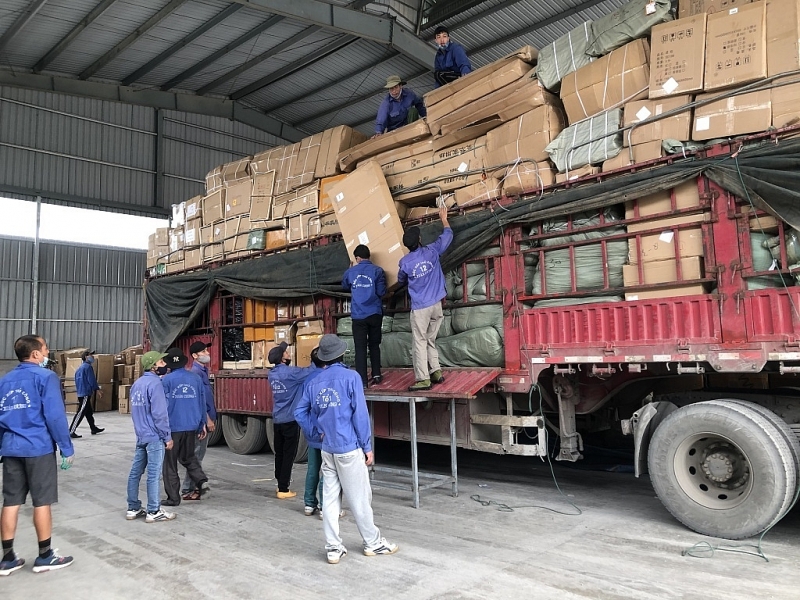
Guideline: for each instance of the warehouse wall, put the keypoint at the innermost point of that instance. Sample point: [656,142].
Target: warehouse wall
[88,295]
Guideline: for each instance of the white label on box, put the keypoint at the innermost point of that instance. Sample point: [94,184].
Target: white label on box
[394,248]
[341,210]
[463,167]
[217,231]
[384,219]
[191,210]
[733,11]
[650,8]
[643,113]
[670,85]
[667,236]
[228,207]
[350,243]
[190,236]
[702,123]
[363,238]
[340,196]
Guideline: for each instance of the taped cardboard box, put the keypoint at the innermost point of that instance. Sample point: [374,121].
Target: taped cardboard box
[103,367]
[258,354]
[157,255]
[325,224]
[663,271]
[575,174]
[783,36]
[237,197]
[302,227]
[397,154]
[408,134]
[211,252]
[737,115]
[786,105]
[334,142]
[299,201]
[214,179]
[565,55]
[310,326]
[486,189]
[736,47]
[174,267]
[325,203]
[194,208]
[528,178]
[687,8]
[162,236]
[259,334]
[620,161]
[433,158]
[685,195]
[660,245]
[260,208]
[191,235]
[213,206]
[304,166]
[429,182]
[677,127]
[610,81]
[284,333]
[276,239]
[305,344]
[668,292]
[236,170]
[677,57]
[264,184]
[287,163]
[647,151]
[524,138]
[192,258]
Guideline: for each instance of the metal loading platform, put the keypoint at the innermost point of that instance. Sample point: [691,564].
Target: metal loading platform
[458,384]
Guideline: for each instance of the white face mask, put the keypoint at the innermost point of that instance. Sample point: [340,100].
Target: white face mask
[204,359]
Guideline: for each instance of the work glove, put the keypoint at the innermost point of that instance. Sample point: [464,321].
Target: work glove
[66,462]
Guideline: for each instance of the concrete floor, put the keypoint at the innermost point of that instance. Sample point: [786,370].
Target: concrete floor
[243,543]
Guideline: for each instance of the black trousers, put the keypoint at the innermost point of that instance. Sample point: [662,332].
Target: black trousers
[182,452]
[445,77]
[367,333]
[287,436]
[84,410]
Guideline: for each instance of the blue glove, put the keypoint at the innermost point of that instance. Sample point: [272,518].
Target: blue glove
[66,462]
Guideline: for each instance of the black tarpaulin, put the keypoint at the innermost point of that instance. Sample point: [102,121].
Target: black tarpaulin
[768,172]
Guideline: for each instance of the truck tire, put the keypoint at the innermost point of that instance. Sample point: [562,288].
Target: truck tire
[244,434]
[216,436]
[722,469]
[301,455]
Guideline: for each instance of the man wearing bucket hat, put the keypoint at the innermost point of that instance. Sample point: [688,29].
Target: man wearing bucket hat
[333,412]
[451,61]
[393,111]
[153,437]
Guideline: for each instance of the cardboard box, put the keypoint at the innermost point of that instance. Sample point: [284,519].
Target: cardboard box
[212,206]
[214,180]
[783,36]
[577,173]
[303,227]
[302,168]
[334,142]
[663,271]
[736,47]
[175,267]
[786,105]
[258,354]
[528,178]
[162,236]
[487,189]
[687,8]
[104,368]
[661,244]
[103,403]
[459,166]
[764,223]
[647,151]
[192,258]
[325,224]
[259,334]
[156,255]
[737,115]
[677,57]
[686,196]
[237,198]
[260,208]
[403,136]
[263,184]
[310,327]
[298,201]
[191,233]
[284,333]
[236,170]
[325,203]
[124,405]
[71,366]
[276,238]
[677,127]
[620,161]
[525,137]
[669,292]
[428,156]
[194,208]
[618,77]
[305,344]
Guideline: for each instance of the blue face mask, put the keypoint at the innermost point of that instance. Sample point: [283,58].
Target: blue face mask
[44,363]
[90,359]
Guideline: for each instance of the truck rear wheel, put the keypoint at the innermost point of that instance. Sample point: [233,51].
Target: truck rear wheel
[216,436]
[722,469]
[244,434]
[301,455]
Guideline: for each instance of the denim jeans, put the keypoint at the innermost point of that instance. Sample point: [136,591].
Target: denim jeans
[150,455]
[313,480]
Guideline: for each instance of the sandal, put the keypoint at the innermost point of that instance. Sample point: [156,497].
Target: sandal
[193,495]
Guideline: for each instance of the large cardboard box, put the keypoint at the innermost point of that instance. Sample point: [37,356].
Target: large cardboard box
[192,258]
[428,156]
[647,151]
[783,36]
[574,174]
[660,245]
[194,208]
[686,195]
[325,204]
[191,233]
[260,208]
[487,189]
[620,161]
[276,238]
[408,134]
[737,115]
[302,227]
[299,201]
[668,292]
[263,184]
[214,179]
[175,267]
[237,197]
[303,347]
[736,47]
[367,215]
[104,368]
[677,57]
[236,170]
[212,206]
[762,224]
[687,8]
[71,367]
[423,184]
[618,77]
[525,137]
[334,142]
[786,105]
[677,127]
[258,354]
[162,236]
[326,224]
[303,167]
[528,178]
[663,271]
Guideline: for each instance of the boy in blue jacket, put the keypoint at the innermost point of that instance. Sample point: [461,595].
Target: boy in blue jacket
[86,385]
[366,283]
[186,407]
[333,412]
[451,61]
[32,422]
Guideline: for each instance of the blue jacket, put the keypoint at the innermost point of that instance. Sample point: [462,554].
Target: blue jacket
[186,405]
[85,380]
[393,114]
[366,283]
[287,385]
[452,58]
[32,415]
[423,273]
[334,409]
[149,409]
[208,392]
[301,407]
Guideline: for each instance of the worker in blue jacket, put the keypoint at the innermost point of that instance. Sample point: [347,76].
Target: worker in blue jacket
[186,407]
[153,437]
[286,382]
[451,60]
[366,283]
[333,412]
[314,464]
[201,359]
[394,109]
[421,270]
[86,385]
[32,422]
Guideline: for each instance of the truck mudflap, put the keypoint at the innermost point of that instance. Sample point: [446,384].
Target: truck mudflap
[642,425]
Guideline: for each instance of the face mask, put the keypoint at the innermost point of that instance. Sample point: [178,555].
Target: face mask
[90,359]
[44,363]
[287,362]
[161,371]
[204,359]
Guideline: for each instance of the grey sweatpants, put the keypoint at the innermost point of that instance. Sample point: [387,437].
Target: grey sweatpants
[347,472]
[425,324]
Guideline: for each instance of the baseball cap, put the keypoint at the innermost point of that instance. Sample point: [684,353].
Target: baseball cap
[176,359]
[86,353]
[197,347]
[276,354]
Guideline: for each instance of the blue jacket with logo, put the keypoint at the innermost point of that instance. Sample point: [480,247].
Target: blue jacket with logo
[287,385]
[393,114]
[366,283]
[149,409]
[32,415]
[333,411]
[85,380]
[452,58]
[208,392]
[301,407]
[186,405]
[423,273]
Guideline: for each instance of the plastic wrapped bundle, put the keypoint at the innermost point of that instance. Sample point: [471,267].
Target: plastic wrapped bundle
[760,245]
[481,347]
[350,354]
[588,268]
[581,220]
[344,326]
[396,349]
[565,55]
[556,302]
[401,323]
[588,142]
[629,22]
[468,318]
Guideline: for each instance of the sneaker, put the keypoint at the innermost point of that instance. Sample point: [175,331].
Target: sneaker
[336,554]
[437,377]
[420,386]
[97,430]
[376,379]
[75,436]
[52,562]
[159,516]
[383,547]
[7,567]
[310,510]
[286,495]
[342,513]
[135,514]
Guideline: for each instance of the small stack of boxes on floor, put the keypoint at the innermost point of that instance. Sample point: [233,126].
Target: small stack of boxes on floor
[127,369]
[67,363]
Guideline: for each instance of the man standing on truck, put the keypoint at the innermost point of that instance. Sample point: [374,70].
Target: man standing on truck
[333,412]
[451,60]
[153,437]
[186,408]
[86,385]
[420,268]
[201,360]
[286,382]
[394,110]
[366,283]
[32,422]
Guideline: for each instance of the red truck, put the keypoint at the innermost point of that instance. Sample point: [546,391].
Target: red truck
[698,366]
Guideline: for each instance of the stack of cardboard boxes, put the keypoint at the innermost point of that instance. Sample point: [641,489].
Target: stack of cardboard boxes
[67,363]
[127,369]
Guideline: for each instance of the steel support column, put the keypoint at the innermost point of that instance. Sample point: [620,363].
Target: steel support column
[158,160]
[35,274]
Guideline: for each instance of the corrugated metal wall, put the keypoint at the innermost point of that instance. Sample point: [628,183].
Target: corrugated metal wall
[88,295]
[80,151]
